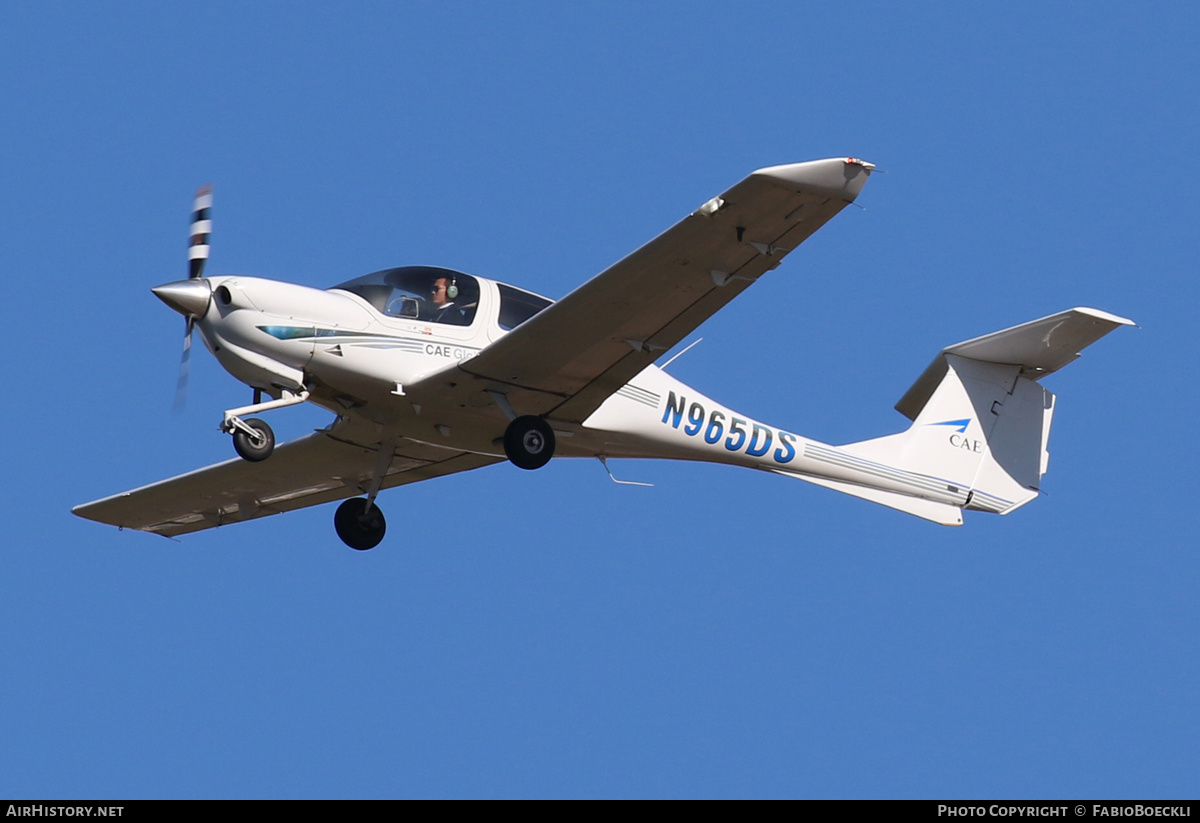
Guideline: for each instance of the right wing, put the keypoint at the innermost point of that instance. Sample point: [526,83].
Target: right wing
[566,360]
[311,470]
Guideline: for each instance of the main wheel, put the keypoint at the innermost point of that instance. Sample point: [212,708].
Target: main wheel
[529,442]
[256,448]
[359,529]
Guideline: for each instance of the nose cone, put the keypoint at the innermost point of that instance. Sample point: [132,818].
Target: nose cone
[188,297]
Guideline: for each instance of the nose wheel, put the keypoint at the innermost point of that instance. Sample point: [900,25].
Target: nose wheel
[529,442]
[359,527]
[253,439]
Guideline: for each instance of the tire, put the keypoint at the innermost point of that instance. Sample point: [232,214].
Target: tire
[359,531]
[529,442]
[254,449]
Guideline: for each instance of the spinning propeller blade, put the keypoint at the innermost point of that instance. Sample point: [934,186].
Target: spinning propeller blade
[201,229]
[181,387]
[197,256]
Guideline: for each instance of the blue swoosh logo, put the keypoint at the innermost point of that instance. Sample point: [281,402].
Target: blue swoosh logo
[962,424]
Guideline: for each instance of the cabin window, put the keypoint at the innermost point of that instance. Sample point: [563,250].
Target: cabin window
[517,306]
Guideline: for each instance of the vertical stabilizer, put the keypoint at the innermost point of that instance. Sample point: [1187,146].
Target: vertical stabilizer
[983,431]
[981,421]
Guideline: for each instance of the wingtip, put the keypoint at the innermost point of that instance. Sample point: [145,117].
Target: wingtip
[836,175]
[1105,316]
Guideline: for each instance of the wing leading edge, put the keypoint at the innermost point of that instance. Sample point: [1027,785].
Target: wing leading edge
[311,470]
[566,360]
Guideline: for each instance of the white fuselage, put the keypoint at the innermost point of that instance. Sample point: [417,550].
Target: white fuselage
[360,363]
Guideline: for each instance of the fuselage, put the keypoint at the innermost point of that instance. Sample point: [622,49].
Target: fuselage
[377,350]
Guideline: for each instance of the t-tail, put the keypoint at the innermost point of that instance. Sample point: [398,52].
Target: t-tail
[981,424]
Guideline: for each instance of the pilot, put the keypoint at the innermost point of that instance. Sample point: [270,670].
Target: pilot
[442,294]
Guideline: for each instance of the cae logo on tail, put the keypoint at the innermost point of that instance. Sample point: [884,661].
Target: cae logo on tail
[956,440]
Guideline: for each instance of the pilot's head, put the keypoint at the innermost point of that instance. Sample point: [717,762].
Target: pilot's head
[439,292]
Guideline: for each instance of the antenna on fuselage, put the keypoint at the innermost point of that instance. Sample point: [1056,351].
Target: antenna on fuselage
[604,462]
[685,351]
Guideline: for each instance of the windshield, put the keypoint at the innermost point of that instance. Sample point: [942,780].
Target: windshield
[423,293]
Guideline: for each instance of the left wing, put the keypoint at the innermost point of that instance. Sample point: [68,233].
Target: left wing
[566,360]
[315,469]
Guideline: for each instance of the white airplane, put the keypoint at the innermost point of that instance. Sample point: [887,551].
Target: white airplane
[432,371]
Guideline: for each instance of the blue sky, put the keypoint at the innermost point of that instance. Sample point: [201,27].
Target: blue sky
[722,634]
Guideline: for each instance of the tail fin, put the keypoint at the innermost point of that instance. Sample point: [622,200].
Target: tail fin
[981,421]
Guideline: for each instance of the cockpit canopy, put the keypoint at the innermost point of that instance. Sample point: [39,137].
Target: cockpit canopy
[437,295]
[426,293]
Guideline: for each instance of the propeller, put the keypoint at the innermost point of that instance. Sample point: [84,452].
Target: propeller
[197,256]
[201,229]
[181,386]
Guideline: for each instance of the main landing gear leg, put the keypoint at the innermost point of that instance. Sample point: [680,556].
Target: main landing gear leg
[529,442]
[358,521]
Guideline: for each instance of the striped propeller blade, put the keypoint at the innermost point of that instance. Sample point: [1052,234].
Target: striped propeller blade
[181,386]
[201,229]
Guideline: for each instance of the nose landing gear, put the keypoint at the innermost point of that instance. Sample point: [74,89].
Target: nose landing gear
[253,440]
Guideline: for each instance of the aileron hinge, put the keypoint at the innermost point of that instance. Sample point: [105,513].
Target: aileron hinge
[644,346]
[710,208]
[721,278]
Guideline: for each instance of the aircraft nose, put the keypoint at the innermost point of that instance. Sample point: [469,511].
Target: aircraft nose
[188,297]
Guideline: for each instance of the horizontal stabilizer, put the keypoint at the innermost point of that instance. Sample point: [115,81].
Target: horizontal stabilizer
[1038,347]
[942,513]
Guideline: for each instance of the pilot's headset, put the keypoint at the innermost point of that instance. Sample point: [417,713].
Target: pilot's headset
[451,287]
